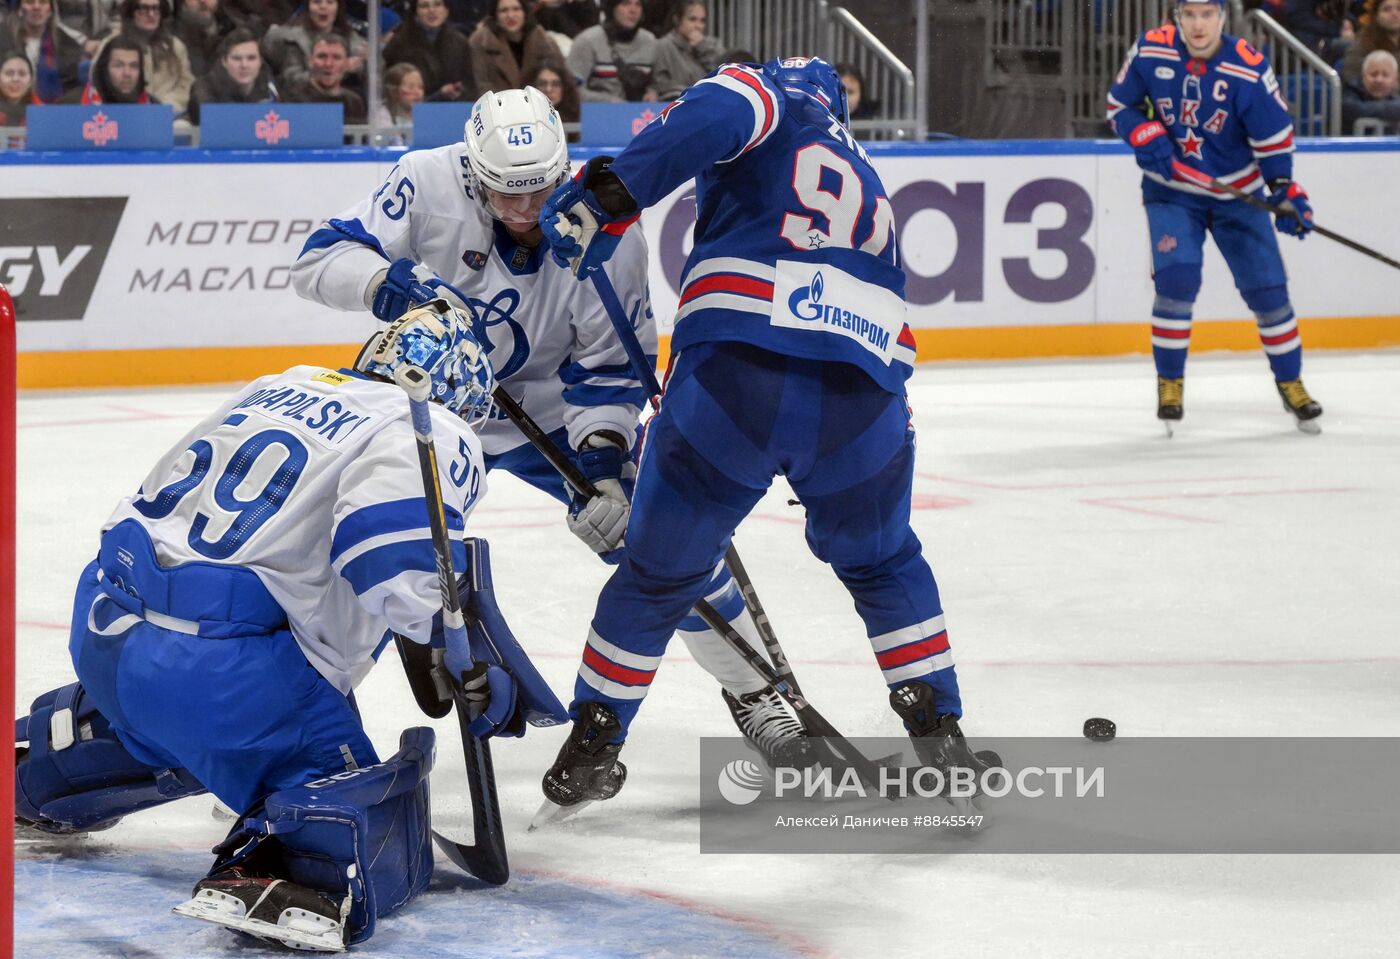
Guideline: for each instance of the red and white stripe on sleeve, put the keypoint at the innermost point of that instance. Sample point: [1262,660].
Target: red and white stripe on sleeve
[760,96]
[1276,145]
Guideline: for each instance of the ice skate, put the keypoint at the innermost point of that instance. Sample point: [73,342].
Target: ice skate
[938,741]
[1169,402]
[587,768]
[770,728]
[1297,401]
[270,909]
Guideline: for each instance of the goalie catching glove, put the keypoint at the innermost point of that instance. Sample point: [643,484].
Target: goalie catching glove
[601,521]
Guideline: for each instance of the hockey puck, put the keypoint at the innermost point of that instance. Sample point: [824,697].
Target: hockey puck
[1100,730]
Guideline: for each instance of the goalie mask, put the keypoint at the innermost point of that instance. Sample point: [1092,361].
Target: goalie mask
[437,338]
[814,77]
[516,153]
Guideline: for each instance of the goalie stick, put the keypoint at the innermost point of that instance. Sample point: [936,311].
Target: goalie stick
[1191,175]
[814,722]
[486,858]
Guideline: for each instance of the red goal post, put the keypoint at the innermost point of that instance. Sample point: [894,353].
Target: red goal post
[8,485]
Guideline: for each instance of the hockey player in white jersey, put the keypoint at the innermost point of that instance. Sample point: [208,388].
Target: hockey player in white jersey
[237,598]
[461,221]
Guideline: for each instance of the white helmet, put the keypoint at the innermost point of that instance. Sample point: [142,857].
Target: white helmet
[516,151]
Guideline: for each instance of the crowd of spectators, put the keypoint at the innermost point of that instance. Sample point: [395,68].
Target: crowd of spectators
[187,53]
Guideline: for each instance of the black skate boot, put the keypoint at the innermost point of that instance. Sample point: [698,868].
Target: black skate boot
[772,731]
[587,767]
[269,909]
[938,741]
[1297,401]
[1170,396]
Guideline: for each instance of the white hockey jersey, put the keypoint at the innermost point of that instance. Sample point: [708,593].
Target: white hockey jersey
[310,480]
[552,346]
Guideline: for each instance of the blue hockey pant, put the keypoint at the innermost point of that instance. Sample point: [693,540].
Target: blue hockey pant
[1249,244]
[734,417]
[709,649]
[246,715]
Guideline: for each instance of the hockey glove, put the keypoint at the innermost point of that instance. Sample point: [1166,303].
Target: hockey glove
[601,521]
[583,220]
[1152,148]
[489,692]
[399,289]
[1296,216]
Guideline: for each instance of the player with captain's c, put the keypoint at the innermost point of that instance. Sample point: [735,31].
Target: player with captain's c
[1197,104]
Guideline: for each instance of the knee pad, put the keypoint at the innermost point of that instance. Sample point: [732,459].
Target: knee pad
[1179,283]
[1269,304]
[76,776]
[363,837]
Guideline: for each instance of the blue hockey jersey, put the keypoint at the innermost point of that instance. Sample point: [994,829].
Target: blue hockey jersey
[795,248]
[1226,114]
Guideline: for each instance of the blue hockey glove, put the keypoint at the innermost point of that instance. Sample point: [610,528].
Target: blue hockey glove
[404,286]
[1297,216]
[583,220]
[490,695]
[1152,148]
[601,521]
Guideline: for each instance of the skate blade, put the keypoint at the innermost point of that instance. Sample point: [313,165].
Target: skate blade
[1167,425]
[306,931]
[549,813]
[221,813]
[1310,427]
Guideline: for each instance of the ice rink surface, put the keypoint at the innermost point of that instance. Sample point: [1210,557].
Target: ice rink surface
[1238,579]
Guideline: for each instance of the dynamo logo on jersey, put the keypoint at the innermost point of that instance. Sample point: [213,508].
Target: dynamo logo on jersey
[806,304]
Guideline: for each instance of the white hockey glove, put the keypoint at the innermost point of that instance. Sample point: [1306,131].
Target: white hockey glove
[601,521]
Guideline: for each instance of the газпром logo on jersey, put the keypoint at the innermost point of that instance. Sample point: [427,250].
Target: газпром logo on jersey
[52,250]
[821,298]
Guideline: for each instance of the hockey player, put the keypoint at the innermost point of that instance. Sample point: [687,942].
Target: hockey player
[1189,93]
[236,600]
[793,355]
[462,221]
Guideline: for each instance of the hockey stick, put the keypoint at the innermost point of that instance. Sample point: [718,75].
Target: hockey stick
[486,859]
[814,722]
[617,316]
[1206,180]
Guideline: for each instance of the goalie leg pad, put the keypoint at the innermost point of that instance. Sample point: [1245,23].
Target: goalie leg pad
[75,775]
[363,835]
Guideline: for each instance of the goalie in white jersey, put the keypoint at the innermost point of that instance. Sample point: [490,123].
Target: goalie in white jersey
[237,598]
[462,221]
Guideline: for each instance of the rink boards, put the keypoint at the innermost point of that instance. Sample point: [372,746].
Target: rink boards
[153,268]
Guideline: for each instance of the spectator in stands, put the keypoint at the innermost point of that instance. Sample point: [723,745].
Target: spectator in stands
[1381,31]
[117,76]
[239,75]
[325,83]
[16,90]
[508,46]
[287,47]
[202,26]
[612,62]
[685,53]
[1377,96]
[1323,26]
[90,19]
[554,81]
[403,87]
[861,107]
[567,17]
[166,61]
[439,50]
[656,15]
[54,51]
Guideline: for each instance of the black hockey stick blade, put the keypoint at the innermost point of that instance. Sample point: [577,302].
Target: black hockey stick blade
[486,857]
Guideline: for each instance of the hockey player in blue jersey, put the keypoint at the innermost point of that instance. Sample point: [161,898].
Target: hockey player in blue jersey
[1191,95]
[792,355]
[237,599]
[462,220]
